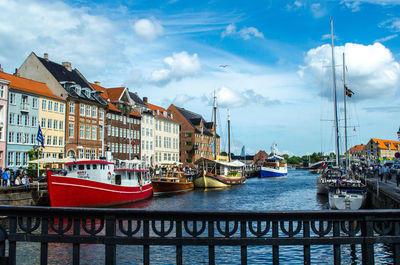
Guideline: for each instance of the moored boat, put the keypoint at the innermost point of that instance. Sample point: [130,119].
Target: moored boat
[98,183]
[327,178]
[218,174]
[171,181]
[347,194]
[274,166]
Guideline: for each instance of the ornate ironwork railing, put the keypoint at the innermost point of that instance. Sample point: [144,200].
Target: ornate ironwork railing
[115,227]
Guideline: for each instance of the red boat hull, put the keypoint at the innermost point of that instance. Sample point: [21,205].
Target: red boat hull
[72,192]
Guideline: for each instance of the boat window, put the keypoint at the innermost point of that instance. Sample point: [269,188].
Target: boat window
[88,167]
[118,179]
[81,167]
[69,168]
[94,166]
[129,175]
[74,166]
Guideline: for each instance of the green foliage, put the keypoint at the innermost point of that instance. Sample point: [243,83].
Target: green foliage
[296,160]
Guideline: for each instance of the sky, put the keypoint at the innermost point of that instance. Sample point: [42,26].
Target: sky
[269,62]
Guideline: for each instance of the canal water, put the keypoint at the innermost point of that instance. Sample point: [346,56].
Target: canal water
[297,191]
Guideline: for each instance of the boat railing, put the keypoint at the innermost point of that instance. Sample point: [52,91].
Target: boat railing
[303,231]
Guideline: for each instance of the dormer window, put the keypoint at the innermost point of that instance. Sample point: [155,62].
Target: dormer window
[165,113]
[158,112]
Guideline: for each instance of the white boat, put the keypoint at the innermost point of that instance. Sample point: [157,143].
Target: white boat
[327,178]
[274,166]
[347,194]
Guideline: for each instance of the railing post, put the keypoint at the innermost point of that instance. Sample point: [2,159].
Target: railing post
[146,248]
[179,260]
[211,248]
[44,246]
[243,248]
[367,249]
[12,244]
[275,248]
[3,237]
[336,247]
[396,246]
[306,249]
[76,246]
[111,249]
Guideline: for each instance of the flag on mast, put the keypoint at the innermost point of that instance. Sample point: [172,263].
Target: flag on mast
[39,137]
[349,93]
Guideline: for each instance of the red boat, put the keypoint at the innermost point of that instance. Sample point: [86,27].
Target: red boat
[98,183]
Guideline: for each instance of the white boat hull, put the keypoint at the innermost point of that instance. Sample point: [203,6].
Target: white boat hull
[342,200]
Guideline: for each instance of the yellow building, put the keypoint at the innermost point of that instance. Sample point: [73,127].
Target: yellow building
[52,122]
[379,148]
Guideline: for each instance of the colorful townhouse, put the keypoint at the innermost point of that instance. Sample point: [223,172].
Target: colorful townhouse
[196,136]
[85,108]
[24,97]
[147,130]
[381,149]
[3,119]
[122,127]
[166,136]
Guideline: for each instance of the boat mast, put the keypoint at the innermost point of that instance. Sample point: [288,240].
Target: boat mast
[229,137]
[345,113]
[335,100]
[215,125]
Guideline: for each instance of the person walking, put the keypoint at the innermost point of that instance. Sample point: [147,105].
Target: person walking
[386,172]
[5,177]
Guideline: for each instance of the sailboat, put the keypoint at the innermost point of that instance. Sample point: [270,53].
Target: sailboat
[217,173]
[344,192]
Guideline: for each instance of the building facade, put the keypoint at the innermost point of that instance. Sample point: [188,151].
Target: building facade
[122,129]
[356,152]
[381,149]
[3,120]
[85,108]
[166,136]
[23,118]
[197,137]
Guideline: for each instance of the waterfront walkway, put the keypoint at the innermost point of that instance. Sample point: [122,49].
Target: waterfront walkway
[385,194]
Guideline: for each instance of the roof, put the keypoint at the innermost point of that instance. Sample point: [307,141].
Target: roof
[386,144]
[114,94]
[160,112]
[68,79]
[135,113]
[28,85]
[104,95]
[357,148]
[135,97]
[195,119]
[112,107]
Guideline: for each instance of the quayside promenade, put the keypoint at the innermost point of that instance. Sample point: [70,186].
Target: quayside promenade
[146,229]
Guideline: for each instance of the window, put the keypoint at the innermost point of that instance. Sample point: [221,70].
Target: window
[49,123]
[71,130]
[1,91]
[94,112]
[101,114]
[10,158]
[33,138]
[17,158]
[35,103]
[54,140]
[81,132]
[43,123]
[93,156]
[88,112]
[26,138]
[44,102]
[61,125]
[18,119]
[88,132]
[60,141]
[55,124]
[61,107]
[26,158]
[56,106]
[72,107]
[10,137]
[50,106]
[34,121]
[12,118]
[19,138]
[94,133]
[100,132]
[48,142]
[12,99]
[82,109]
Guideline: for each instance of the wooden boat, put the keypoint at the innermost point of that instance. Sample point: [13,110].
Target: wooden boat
[98,183]
[218,174]
[171,181]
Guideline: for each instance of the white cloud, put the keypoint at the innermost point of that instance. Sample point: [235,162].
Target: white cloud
[317,10]
[180,65]
[147,29]
[372,71]
[387,38]
[393,24]
[245,33]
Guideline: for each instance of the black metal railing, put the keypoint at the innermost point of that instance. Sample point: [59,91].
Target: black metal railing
[116,227]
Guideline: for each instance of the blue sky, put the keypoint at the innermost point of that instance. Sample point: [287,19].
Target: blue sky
[277,82]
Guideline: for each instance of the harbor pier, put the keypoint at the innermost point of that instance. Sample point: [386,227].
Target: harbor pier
[34,194]
[382,194]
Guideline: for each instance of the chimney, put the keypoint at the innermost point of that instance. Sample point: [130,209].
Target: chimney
[16,72]
[67,66]
[1,69]
[46,56]
[145,99]
[97,83]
